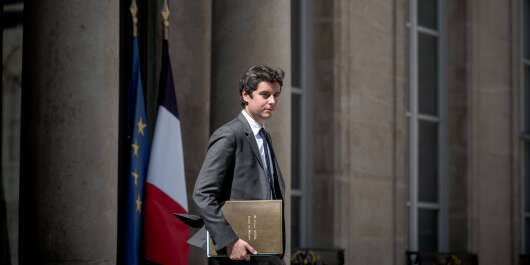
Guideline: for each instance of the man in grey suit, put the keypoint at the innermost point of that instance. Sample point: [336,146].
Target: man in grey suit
[240,163]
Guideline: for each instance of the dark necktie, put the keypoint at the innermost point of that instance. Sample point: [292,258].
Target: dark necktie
[269,172]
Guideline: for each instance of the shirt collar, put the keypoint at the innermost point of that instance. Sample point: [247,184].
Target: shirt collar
[254,125]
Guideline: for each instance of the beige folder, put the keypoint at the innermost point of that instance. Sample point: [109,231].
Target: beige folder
[259,222]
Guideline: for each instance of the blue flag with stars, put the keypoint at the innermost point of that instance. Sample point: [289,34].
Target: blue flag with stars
[139,145]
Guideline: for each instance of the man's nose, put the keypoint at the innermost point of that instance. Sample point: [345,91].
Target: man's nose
[272,100]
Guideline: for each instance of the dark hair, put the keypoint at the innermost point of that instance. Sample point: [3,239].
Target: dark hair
[255,74]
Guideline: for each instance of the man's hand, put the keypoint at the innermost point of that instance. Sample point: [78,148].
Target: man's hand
[237,250]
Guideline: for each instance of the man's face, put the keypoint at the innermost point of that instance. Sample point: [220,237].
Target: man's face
[263,102]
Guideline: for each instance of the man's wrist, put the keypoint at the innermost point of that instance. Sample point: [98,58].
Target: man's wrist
[222,240]
[231,244]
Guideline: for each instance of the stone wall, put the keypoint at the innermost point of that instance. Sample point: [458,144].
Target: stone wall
[69,151]
[190,52]
[491,133]
[370,184]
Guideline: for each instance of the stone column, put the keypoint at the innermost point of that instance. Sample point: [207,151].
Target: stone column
[246,33]
[320,84]
[190,52]
[70,132]
[458,120]
[491,134]
[370,183]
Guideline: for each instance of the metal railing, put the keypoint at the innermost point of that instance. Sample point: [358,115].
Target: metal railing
[437,258]
[317,256]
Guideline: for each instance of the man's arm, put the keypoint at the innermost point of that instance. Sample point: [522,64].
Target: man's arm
[209,188]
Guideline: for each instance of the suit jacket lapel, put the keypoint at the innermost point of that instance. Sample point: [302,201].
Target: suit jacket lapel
[250,138]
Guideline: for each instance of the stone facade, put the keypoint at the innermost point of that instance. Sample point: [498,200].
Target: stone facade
[69,151]
[490,137]
[369,138]
[357,76]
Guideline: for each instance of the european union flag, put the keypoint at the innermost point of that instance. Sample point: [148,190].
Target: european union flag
[138,166]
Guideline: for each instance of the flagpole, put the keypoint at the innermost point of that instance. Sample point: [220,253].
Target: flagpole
[134,12]
[165,16]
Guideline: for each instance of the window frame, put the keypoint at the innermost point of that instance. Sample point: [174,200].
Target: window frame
[304,91]
[414,117]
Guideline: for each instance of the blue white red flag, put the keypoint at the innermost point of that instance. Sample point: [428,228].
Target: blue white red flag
[165,235]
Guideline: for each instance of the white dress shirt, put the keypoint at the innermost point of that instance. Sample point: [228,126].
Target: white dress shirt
[254,125]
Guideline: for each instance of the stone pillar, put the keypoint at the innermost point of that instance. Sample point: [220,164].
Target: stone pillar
[190,51]
[458,120]
[246,33]
[70,132]
[516,93]
[491,135]
[370,184]
[320,84]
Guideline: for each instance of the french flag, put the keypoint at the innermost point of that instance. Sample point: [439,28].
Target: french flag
[165,235]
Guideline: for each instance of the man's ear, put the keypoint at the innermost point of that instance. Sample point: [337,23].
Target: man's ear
[246,96]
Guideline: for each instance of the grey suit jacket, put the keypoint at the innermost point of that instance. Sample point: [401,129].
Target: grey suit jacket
[232,170]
